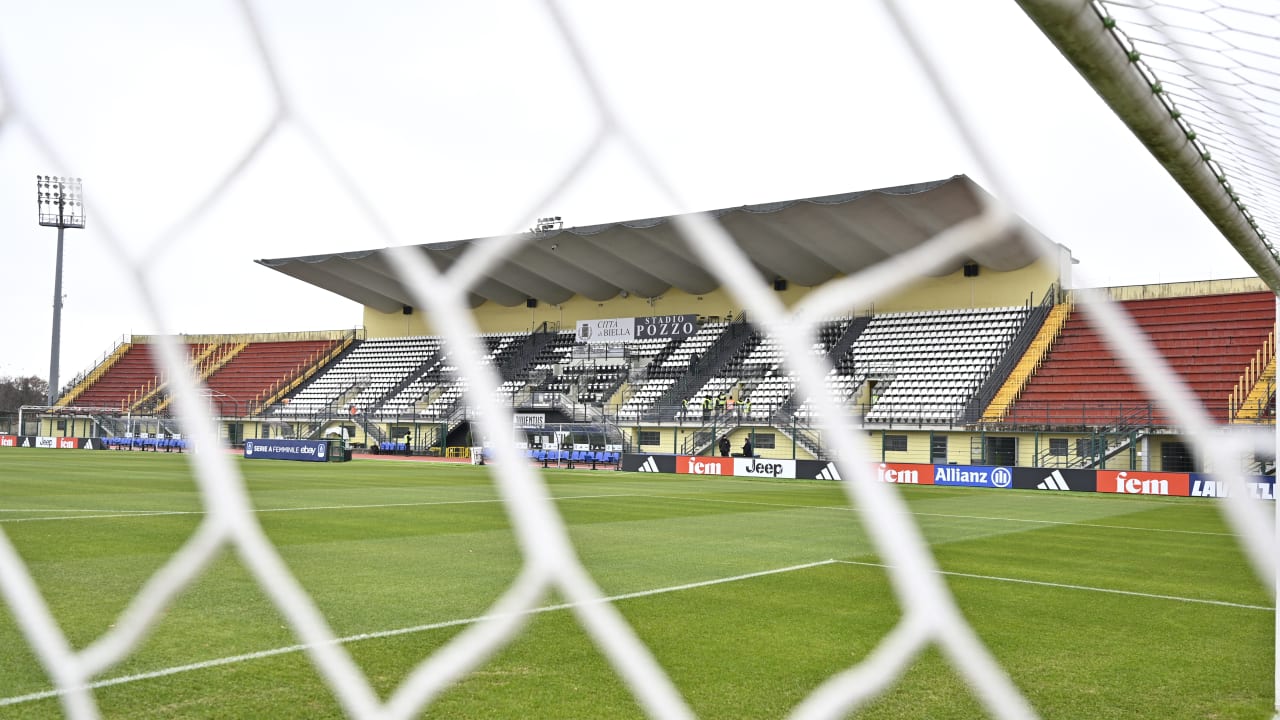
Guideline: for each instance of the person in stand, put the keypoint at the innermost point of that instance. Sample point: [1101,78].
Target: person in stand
[684,409]
[724,446]
[746,408]
[706,407]
[747,449]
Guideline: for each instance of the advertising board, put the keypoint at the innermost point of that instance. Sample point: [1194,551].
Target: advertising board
[304,450]
[1055,479]
[699,465]
[905,473]
[763,467]
[1139,482]
[1260,487]
[639,462]
[973,476]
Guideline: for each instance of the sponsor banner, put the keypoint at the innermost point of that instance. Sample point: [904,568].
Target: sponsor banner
[91,444]
[648,463]
[704,465]
[763,467]
[665,326]
[1139,482]
[1261,487]
[1054,479]
[905,473]
[817,470]
[308,450]
[606,330]
[973,476]
[529,420]
[52,443]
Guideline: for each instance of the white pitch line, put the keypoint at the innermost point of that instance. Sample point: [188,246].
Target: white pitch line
[1088,588]
[309,508]
[73,510]
[120,514]
[217,662]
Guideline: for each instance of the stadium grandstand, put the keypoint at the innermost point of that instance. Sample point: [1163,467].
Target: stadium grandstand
[612,338]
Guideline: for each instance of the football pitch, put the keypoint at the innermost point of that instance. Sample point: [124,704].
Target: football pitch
[750,593]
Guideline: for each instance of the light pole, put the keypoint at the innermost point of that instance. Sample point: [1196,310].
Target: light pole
[61,204]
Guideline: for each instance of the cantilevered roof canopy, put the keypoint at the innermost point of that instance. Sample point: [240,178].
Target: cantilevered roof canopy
[806,242]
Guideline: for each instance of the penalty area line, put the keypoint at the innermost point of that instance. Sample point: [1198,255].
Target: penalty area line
[233,659]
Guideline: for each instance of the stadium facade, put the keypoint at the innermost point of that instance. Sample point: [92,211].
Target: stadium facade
[986,361]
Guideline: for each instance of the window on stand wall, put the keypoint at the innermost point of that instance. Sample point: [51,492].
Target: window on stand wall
[895,443]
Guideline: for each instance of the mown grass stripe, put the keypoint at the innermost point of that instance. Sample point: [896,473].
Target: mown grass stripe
[116,514]
[954,516]
[258,655]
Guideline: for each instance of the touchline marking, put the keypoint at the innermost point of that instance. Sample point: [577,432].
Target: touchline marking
[205,664]
[309,508]
[116,514]
[1066,586]
[73,510]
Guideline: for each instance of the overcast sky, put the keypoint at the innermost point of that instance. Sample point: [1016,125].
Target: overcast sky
[454,119]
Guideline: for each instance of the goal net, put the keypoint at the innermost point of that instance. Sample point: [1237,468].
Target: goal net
[1196,81]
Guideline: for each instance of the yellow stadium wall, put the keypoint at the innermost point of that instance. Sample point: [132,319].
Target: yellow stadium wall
[988,289]
[671,439]
[67,426]
[1145,456]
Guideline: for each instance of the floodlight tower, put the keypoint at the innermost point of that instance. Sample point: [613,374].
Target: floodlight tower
[61,204]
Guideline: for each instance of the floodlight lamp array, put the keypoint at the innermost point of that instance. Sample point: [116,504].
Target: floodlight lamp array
[60,201]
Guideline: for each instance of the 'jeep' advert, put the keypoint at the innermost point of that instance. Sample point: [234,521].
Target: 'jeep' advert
[764,467]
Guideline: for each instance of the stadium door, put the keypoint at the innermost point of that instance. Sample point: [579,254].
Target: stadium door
[1175,456]
[1002,451]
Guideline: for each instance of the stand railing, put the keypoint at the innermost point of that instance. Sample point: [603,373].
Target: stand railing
[1243,400]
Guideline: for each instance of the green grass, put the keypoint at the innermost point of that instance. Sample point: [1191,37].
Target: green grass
[387,545]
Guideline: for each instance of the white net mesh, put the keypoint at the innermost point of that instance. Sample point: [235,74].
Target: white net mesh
[1217,67]
[929,615]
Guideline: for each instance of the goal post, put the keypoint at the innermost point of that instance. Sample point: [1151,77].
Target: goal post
[1093,41]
